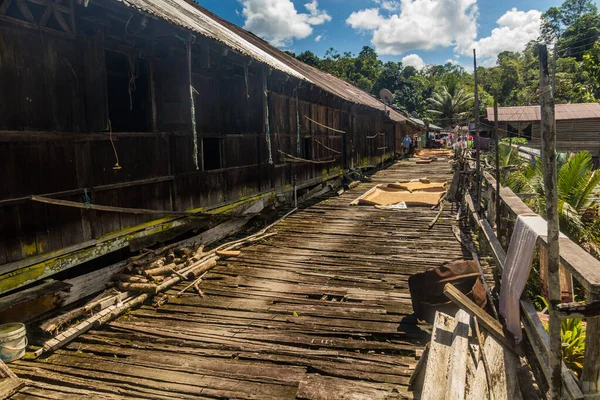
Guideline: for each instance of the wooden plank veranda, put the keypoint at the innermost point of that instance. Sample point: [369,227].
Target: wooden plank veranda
[318,311]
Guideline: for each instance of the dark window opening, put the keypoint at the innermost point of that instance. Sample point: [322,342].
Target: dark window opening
[307,146]
[211,152]
[512,131]
[128,92]
[527,132]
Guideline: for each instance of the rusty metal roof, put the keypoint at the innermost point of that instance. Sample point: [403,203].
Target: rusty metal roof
[532,113]
[201,21]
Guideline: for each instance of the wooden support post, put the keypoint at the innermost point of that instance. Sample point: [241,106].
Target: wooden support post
[548,133]
[477,139]
[590,378]
[497,134]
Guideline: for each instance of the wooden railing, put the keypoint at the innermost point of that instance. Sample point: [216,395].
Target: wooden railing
[583,267]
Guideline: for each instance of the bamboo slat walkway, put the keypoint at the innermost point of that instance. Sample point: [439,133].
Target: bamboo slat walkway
[319,311]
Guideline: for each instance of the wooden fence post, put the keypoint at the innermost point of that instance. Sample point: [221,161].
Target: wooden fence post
[497,134]
[590,378]
[477,139]
[548,133]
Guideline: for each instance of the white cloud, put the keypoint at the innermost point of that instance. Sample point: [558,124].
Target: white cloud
[516,29]
[420,24]
[388,5]
[278,21]
[318,38]
[414,61]
[365,20]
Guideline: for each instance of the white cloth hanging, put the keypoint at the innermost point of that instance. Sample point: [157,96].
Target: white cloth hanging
[517,267]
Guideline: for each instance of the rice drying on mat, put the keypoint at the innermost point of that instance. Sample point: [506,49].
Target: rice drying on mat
[419,192]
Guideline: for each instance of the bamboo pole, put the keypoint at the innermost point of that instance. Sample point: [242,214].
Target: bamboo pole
[548,133]
[497,134]
[477,138]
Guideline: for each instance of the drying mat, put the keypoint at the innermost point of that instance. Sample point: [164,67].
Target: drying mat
[381,195]
[435,153]
[418,186]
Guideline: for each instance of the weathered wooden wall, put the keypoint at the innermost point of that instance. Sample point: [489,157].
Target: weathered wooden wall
[571,135]
[55,133]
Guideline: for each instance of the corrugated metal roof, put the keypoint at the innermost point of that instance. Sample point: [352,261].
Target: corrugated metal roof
[203,22]
[533,113]
[421,123]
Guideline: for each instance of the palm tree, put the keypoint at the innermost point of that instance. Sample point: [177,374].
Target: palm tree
[448,101]
[577,181]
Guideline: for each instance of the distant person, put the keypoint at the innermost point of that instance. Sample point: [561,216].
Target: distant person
[406,144]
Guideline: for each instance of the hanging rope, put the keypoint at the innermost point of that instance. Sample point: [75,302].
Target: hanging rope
[86,199]
[268,128]
[246,80]
[375,135]
[117,166]
[297,125]
[194,133]
[290,158]
[328,148]
[324,126]
[134,73]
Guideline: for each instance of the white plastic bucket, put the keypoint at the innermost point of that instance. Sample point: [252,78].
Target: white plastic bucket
[13,341]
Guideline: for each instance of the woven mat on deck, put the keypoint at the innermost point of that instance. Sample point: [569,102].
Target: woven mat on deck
[418,186]
[385,196]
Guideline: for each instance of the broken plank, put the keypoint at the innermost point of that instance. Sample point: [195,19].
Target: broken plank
[457,373]
[9,382]
[438,360]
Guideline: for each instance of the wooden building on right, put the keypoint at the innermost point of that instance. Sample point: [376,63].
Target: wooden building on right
[577,125]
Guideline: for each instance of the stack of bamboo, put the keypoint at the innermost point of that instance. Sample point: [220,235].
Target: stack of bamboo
[145,276]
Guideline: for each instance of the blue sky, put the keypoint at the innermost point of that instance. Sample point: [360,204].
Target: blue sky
[414,31]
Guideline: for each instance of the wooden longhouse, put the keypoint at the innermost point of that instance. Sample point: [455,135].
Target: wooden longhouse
[162,107]
[577,125]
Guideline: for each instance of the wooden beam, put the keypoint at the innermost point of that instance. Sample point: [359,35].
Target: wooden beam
[491,325]
[124,210]
[30,303]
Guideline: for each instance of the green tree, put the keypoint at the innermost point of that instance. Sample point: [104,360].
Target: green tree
[447,102]
[557,20]
[580,36]
[589,89]
[310,58]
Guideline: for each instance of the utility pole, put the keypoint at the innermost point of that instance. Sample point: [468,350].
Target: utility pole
[554,55]
[477,141]
[497,135]
[548,133]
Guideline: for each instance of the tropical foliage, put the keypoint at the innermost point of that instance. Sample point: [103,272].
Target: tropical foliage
[450,101]
[572,334]
[578,184]
[573,344]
